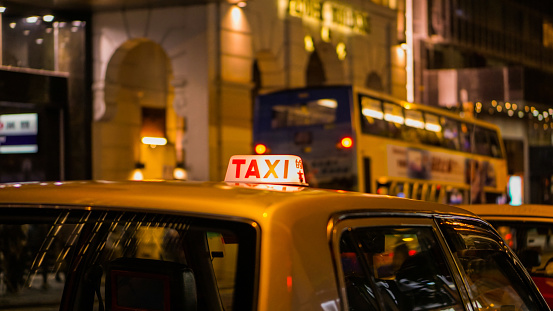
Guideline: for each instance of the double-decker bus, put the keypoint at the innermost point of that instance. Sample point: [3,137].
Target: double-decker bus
[357,139]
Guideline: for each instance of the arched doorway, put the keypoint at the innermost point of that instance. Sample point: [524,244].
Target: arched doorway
[374,82]
[139,95]
[315,73]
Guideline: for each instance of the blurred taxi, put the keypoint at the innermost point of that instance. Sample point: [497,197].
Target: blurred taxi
[261,240]
[528,230]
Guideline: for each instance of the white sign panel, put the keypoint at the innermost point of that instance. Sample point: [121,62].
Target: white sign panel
[423,164]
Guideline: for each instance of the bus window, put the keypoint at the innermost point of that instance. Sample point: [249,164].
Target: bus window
[414,129]
[495,145]
[482,143]
[465,138]
[315,112]
[434,129]
[451,133]
[394,115]
[372,117]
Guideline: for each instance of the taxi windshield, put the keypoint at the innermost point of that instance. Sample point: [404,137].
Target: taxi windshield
[119,260]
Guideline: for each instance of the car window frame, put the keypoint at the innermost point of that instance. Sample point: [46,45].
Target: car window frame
[483,224]
[340,223]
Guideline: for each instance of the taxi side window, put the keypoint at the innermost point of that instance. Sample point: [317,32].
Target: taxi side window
[392,268]
[494,282]
[183,262]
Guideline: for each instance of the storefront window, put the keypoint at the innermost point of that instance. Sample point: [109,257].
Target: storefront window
[41,42]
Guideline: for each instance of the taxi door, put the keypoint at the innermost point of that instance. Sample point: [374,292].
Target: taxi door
[422,263]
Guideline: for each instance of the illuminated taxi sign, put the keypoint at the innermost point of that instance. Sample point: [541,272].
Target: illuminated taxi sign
[266,169]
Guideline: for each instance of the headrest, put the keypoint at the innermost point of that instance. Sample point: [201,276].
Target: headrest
[147,284]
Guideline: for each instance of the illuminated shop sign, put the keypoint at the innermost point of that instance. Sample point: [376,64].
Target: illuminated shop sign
[18,133]
[331,13]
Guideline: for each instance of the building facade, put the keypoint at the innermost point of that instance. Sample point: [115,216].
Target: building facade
[204,64]
[491,60]
[188,75]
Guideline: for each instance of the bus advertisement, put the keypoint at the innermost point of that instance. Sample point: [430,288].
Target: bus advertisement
[361,140]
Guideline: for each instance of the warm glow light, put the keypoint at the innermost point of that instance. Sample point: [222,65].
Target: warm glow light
[373,113]
[393,118]
[260,149]
[414,123]
[12,25]
[2,9]
[433,127]
[180,173]
[325,34]
[341,51]
[409,42]
[329,103]
[137,174]
[48,18]
[154,141]
[236,14]
[309,46]
[31,19]
[242,4]
[346,142]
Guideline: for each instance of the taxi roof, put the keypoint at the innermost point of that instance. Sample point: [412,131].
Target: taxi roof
[506,211]
[207,198]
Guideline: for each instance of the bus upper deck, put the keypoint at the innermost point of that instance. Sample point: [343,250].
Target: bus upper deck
[358,139]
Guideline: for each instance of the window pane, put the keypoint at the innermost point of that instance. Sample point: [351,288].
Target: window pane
[434,129]
[495,146]
[494,282]
[103,254]
[464,136]
[481,141]
[372,117]
[414,130]
[314,112]
[398,268]
[451,133]
[394,115]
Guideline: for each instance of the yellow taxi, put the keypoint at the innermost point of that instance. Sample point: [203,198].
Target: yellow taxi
[261,240]
[528,230]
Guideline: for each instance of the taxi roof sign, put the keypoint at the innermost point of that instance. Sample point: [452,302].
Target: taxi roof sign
[266,169]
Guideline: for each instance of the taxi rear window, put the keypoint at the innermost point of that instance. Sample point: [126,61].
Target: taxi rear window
[124,261]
